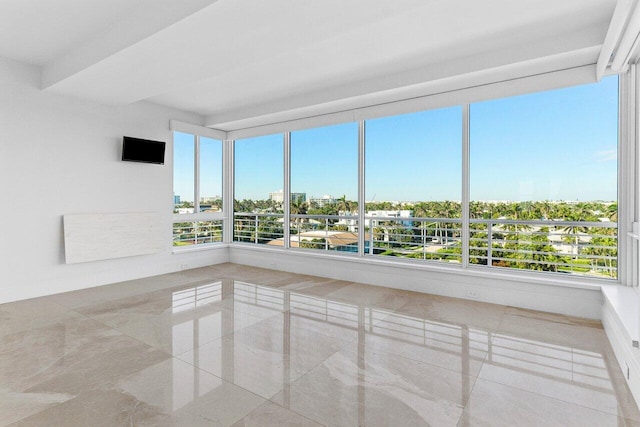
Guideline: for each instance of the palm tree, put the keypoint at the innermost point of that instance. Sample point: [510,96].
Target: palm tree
[574,230]
[419,211]
[346,206]
[298,207]
[612,212]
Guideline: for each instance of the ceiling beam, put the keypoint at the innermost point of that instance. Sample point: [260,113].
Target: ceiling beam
[137,25]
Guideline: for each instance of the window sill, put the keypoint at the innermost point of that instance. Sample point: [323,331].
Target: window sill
[188,249]
[624,301]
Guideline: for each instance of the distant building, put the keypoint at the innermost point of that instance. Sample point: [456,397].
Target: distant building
[278,196]
[370,220]
[322,201]
[176,199]
[209,199]
[298,197]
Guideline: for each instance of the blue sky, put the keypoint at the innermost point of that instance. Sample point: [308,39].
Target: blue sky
[210,166]
[555,145]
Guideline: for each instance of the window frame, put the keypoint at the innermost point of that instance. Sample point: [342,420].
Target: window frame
[626,167]
[199,132]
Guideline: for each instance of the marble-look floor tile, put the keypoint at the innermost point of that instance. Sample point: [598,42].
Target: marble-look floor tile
[169,385]
[131,288]
[28,314]
[180,304]
[272,415]
[553,317]
[224,405]
[275,279]
[523,325]
[69,356]
[299,323]
[142,307]
[246,273]
[16,406]
[473,314]
[325,352]
[370,296]
[260,371]
[108,408]
[315,286]
[301,332]
[177,334]
[497,405]
[174,386]
[36,307]
[360,387]
[446,345]
[574,376]
[267,303]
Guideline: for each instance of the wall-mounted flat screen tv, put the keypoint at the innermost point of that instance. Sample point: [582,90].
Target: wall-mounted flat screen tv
[142,150]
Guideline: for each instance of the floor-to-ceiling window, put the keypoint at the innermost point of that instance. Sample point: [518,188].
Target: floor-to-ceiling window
[413,185]
[324,188]
[197,189]
[544,180]
[259,190]
[183,172]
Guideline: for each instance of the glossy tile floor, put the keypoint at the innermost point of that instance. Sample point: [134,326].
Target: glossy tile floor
[242,346]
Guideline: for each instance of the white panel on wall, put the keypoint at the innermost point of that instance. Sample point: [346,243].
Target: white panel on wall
[93,237]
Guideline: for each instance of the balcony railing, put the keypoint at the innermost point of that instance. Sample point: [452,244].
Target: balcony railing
[577,247]
[585,248]
[437,239]
[257,228]
[197,232]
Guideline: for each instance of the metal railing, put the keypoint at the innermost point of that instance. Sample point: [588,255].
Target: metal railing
[258,228]
[577,247]
[437,239]
[585,248]
[325,232]
[197,232]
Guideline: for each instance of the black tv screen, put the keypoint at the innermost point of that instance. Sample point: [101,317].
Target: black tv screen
[142,150]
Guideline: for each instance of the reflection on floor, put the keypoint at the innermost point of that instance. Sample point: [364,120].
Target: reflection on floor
[235,345]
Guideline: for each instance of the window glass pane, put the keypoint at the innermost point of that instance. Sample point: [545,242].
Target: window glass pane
[210,175]
[183,172]
[413,184]
[197,233]
[324,188]
[544,178]
[258,214]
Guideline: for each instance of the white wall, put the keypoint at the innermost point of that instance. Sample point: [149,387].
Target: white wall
[60,155]
[518,290]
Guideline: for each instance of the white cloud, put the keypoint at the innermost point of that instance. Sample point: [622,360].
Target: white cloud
[606,156]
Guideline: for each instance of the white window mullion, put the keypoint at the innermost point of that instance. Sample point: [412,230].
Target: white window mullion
[628,162]
[286,202]
[361,187]
[465,186]
[196,175]
[633,271]
[228,196]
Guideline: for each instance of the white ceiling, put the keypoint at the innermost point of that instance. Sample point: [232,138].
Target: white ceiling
[242,62]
